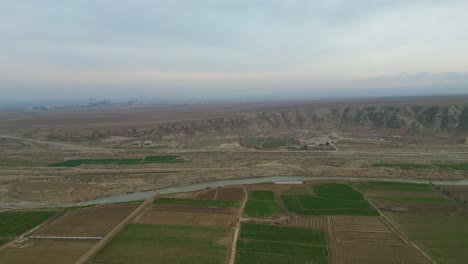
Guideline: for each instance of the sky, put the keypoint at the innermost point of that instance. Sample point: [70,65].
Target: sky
[228,49]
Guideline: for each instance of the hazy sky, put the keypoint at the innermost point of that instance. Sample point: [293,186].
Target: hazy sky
[181,48]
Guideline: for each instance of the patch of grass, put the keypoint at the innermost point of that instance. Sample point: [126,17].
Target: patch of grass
[14,223]
[402,166]
[261,204]
[141,243]
[146,160]
[337,191]
[412,199]
[195,202]
[276,244]
[452,166]
[329,199]
[262,195]
[443,237]
[392,186]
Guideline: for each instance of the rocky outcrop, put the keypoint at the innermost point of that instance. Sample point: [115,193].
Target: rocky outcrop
[413,118]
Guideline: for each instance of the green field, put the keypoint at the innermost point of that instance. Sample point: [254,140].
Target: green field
[141,243]
[208,203]
[454,166]
[392,186]
[261,204]
[15,223]
[277,244]
[412,199]
[146,160]
[443,237]
[329,199]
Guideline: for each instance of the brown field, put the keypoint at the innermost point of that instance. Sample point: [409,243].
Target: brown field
[270,186]
[456,190]
[422,208]
[187,215]
[314,222]
[403,194]
[357,253]
[207,195]
[46,251]
[230,194]
[359,229]
[87,222]
[362,239]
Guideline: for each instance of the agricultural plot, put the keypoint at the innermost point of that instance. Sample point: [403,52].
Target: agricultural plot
[277,244]
[392,186]
[146,160]
[261,204]
[408,198]
[87,222]
[361,239]
[45,251]
[443,237]
[230,194]
[15,223]
[308,221]
[329,199]
[187,215]
[266,142]
[195,202]
[142,243]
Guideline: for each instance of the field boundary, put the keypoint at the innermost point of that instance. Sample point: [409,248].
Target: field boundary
[400,235]
[99,245]
[232,258]
[25,234]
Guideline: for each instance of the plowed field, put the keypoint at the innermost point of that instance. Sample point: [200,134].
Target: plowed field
[87,222]
[313,222]
[46,251]
[187,215]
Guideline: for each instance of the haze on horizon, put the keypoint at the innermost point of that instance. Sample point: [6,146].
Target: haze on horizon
[227,49]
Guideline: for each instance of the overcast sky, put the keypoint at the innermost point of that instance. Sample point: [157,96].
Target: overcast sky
[182,48]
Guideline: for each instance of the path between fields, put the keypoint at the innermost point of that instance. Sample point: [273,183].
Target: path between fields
[237,229]
[400,234]
[92,252]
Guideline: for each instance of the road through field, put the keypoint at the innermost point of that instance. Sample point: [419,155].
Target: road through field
[92,252]
[236,231]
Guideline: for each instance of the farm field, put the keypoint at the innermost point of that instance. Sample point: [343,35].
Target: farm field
[361,239]
[261,204]
[309,221]
[187,215]
[392,186]
[443,237]
[15,223]
[329,199]
[46,251]
[146,160]
[143,243]
[457,191]
[276,244]
[87,222]
[196,202]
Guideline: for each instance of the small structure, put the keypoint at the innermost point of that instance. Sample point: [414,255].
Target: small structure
[148,142]
[333,135]
[136,143]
